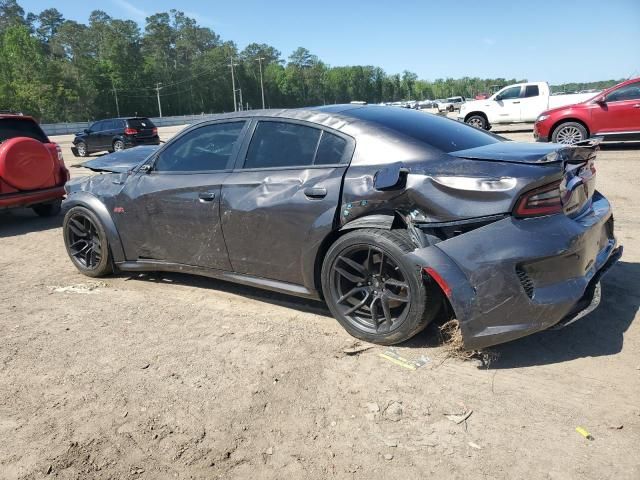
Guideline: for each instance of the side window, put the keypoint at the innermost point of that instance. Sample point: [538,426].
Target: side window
[207,148]
[110,125]
[531,91]
[97,127]
[628,92]
[331,149]
[281,144]
[509,93]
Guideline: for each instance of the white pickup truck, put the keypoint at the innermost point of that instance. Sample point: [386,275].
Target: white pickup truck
[517,103]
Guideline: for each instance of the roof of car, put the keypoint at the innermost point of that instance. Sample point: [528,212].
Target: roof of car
[16,115]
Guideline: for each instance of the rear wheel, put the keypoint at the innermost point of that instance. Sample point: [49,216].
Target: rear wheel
[86,242]
[118,145]
[81,148]
[48,209]
[372,290]
[569,133]
[477,121]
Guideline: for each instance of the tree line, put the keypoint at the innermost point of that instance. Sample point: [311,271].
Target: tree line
[60,70]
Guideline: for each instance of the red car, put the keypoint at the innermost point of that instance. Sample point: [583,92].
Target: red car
[613,114]
[32,170]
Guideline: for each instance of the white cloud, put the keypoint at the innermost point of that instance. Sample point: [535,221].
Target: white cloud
[132,10]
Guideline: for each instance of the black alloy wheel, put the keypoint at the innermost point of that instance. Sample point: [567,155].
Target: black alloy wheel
[373,290]
[86,242]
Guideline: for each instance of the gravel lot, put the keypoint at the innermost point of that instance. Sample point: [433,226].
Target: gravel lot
[172,376]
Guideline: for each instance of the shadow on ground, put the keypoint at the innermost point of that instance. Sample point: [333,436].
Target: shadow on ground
[600,333]
[20,221]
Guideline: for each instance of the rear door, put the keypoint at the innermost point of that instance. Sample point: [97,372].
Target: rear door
[281,200]
[172,213]
[620,114]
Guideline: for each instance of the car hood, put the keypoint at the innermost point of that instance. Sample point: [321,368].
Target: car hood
[532,153]
[120,162]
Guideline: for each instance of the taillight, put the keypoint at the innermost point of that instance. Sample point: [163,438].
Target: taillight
[544,200]
[60,157]
[155,130]
[130,131]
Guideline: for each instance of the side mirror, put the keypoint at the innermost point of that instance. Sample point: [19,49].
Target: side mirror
[146,168]
[601,101]
[86,130]
[498,98]
[392,177]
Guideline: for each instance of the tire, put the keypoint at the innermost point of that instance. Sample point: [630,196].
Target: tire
[477,121]
[569,133]
[86,242]
[451,108]
[363,314]
[48,209]
[118,146]
[82,149]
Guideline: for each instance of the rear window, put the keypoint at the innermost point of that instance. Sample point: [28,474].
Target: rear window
[531,91]
[140,123]
[441,133]
[21,127]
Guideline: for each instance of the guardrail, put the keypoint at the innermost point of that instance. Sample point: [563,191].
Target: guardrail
[69,128]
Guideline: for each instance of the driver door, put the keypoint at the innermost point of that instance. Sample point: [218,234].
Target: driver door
[507,105]
[172,212]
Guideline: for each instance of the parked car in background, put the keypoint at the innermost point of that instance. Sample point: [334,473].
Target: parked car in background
[115,134]
[32,170]
[451,104]
[390,215]
[517,103]
[613,114]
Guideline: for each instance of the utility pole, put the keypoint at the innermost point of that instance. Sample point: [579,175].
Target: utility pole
[158,88]
[115,94]
[261,83]
[240,90]
[233,84]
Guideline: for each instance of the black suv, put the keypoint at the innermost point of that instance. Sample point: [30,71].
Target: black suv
[115,134]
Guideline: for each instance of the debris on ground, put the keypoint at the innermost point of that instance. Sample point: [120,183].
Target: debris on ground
[474,445]
[388,456]
[582,431]
[451,336]
[393,411]
[393,356]
[458,418]
[617,426]
[82,288]
[355,348]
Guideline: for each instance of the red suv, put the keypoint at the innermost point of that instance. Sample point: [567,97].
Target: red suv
[32,170]
[613,114]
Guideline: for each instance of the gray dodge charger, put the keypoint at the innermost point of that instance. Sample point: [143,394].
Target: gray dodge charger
[394,217]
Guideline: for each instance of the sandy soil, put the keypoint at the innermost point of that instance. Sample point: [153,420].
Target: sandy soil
[171,376]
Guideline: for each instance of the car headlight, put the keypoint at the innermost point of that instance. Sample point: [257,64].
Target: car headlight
[542,118]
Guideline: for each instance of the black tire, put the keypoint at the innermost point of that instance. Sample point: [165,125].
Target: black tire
[477,121]
[82,149]
[451,108]
[569,133]
[86,242]
[48,209]
[401,288]
[117,146]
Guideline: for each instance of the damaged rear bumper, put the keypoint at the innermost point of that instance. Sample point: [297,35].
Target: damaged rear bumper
[515,277]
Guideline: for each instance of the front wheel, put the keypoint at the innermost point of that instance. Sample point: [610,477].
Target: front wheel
[569,133]
[86,242]
[372,290]
[82,150]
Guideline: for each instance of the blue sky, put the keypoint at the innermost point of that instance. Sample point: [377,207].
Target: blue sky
[558,41]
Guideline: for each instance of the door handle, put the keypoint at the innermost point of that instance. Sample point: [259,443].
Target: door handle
[206,196]
[315,192]
[516,102]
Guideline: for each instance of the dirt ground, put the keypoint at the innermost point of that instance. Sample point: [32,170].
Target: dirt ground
[172,376]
